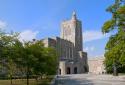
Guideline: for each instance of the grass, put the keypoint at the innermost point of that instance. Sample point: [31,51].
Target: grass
[122,74]
[23,82]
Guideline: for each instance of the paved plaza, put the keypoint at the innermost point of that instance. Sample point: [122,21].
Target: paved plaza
[89,79]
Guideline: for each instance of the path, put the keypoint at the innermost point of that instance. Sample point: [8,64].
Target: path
[89,79]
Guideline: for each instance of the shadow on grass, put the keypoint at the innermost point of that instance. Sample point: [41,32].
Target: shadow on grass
[23,82]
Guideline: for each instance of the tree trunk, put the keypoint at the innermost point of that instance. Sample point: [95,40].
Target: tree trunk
[11,82]
[27,75]
[115,71]
[27,79]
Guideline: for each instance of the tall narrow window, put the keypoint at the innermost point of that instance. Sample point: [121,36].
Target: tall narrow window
[68,70]
[75,70]
[60,71]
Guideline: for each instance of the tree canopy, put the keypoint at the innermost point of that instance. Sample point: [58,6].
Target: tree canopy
[115,47]
[26,58]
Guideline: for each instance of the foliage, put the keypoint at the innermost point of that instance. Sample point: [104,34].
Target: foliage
[26,59]
[115,47]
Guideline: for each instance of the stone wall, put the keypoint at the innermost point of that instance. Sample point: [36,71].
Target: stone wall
[96,65]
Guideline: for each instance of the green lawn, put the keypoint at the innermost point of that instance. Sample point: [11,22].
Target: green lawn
[23,82]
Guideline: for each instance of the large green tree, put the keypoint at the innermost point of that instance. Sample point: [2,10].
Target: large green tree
[34,59]
[115,47]
[6,52]
[26,59]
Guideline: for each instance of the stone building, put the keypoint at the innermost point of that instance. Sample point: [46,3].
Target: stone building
[96,65]
[72,59]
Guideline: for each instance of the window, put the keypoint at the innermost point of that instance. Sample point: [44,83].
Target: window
[75,70]
[68,70]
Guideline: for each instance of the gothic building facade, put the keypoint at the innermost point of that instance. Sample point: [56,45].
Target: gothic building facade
[72,59]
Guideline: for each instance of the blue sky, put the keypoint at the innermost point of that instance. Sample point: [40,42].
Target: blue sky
[42,18]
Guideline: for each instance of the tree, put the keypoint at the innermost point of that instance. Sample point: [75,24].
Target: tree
[115,47]
[35,59]
[27,58]
[7,54]
[42,59]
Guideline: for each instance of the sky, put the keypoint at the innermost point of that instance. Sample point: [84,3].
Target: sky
[42,18]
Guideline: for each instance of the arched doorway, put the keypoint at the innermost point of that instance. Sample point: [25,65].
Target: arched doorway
[60,71]
[68,70]
[75,70]
[85,68]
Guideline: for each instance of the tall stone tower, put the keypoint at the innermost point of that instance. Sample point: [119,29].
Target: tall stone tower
[71,30]
[72,59]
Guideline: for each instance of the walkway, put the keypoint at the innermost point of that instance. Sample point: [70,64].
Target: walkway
[89,79]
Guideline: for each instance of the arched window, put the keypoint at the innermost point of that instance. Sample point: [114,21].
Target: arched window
[60,71]
[85,68]
[75,70]
[68,70]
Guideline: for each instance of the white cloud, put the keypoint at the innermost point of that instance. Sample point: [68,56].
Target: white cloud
[93,35]
[86,49]
[92,49]
[96,56]
[91,52]
[2,24]
[89,49]
[28,35]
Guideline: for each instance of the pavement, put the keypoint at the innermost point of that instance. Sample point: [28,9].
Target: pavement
[90,79]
